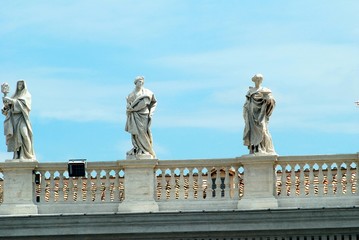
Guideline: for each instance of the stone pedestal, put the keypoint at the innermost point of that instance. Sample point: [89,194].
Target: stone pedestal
[139,157]
[258,182]
[140,186]
[19,187]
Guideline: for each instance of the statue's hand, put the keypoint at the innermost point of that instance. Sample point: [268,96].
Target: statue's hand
[8,99]
[4,111]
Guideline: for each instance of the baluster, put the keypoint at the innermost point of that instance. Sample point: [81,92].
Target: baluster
[116,189]
[289,185]
[209,190]
[122,186]
[51,187]
[86,194]
[2,188]
[200,184]
[277,180]
[348,179]
[354,179]
[181,184]
[56,188]
[237,184]
[340,176]
[190,184]
[46,187]
[172,185]
[107,183]
[61,186]
[227,184]
[345,179]
[79,189]
[302,181]
[218,183]
[283,187]
[85,187]
[330,180]
[43,187]
[65,188]
[158,187]
[242,184]
[293,182]
[167,184]
[97,186]
[311,183]
[335,181]
[163,184]
[325,179]
[320,180]
[103,185]
[112,189]
[75,188]
[89,185]
[213,185]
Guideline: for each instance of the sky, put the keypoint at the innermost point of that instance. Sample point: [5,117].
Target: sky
[79,60]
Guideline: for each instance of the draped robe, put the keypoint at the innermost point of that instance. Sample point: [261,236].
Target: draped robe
[256,112]
[139,121]
[17,126]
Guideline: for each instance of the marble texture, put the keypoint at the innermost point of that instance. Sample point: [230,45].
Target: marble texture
[257,109]
[141,104]
[17,125]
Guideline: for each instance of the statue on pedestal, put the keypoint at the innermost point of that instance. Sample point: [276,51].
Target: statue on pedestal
[257,109]
[17,126]
[141,104]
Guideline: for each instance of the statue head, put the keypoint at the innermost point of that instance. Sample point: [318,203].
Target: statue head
[20,85]
[20,88]
[258,78]
[138,78]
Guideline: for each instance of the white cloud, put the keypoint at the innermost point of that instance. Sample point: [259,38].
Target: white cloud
[79,101]
[311,79]
[106,21]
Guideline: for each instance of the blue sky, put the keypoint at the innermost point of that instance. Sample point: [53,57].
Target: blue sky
[79,59]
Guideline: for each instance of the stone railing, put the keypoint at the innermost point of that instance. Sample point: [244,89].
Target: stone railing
[1,186]
[249,182]
[104,182]
[199,184]
[103,185]
[317,181]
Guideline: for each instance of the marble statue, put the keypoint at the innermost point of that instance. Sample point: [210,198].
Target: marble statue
[17,126]
[257,109]
[141,104]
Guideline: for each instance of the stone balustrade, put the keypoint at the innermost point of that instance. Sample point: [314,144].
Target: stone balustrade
[317,181]
[248,182]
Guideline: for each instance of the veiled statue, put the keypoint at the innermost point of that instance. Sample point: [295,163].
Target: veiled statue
[257,109]
[17,126]
[141,104]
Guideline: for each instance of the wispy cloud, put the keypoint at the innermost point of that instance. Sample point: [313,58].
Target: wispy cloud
[310,79]
[108,21]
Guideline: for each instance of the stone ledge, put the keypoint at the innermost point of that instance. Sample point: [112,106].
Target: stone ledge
[172,225]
